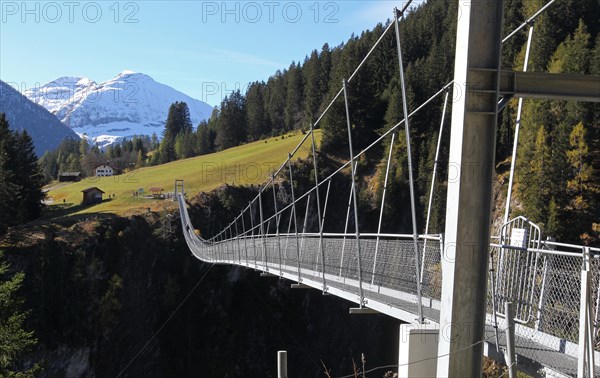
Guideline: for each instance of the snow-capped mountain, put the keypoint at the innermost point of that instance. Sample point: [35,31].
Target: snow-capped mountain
[44,128]
[129,104]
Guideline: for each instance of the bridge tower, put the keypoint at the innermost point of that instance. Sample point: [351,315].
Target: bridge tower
[478,84]
[472,148]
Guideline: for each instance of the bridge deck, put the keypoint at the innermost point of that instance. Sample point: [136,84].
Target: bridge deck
[389,286]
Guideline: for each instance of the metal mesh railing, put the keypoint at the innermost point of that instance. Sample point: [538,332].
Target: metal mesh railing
[550,333]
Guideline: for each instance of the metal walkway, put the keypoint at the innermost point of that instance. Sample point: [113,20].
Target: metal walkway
[549,339]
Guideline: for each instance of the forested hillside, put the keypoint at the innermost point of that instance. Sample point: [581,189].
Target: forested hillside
[559,144]
[558,148]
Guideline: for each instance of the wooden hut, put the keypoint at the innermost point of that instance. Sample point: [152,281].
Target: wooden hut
[92,195]
[157,192]
[69,177]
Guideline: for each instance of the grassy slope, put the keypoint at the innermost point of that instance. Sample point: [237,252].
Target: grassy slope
[248,164]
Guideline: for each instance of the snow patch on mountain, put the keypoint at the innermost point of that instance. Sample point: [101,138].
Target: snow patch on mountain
[129,104]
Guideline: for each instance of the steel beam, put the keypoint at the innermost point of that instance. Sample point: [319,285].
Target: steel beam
[472,147]
[363,311]
[537,85]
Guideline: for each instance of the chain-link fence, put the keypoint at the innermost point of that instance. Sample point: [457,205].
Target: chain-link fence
[548,321]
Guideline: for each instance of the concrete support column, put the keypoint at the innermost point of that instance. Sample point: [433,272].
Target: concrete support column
[471,167]
[417,350]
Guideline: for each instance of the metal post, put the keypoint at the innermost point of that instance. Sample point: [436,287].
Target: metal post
[385,183]
[435,164]
[494,304]
[282,370]
[304,225]
[277,218]
[230,243]
[410,170]
[548,269]
[596,316]
[353,166]
[225,244]
[517,127]
[262,231]
[237,236]
[253,238]
[295,215]
[346,224]
[312,133]
[287,239]
[245,237]
[585,362]
[220,250]
[471,163]
[511,358]
[322,223]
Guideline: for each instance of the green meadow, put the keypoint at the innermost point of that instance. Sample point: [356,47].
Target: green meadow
[251,163]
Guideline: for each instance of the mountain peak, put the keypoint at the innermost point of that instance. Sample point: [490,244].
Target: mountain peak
[131,103]
[70,80]
[126,73]
[45,129]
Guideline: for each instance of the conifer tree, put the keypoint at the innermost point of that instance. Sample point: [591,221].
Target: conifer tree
[312,86]
[276,100]
[8,188]
[232,121]
[583,187]
[140,161]
[29,179]
[294,98]
[178,119]
[256,117]
[536,181]
[15,341]
[167,149]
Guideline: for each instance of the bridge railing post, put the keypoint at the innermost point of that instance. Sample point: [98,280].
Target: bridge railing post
[277,218]
[385,183]
[353,168]
[262,231]
[346,224]
[253,238]
[513,161]
[237,236]
[217,255]
[585,362]
[295,216]
[321,250]
[397,14]
[433,176]
[237,241]
[223,245]
[304,228]
[321,227]
[245,236]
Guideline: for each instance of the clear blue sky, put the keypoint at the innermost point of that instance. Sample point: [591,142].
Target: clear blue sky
[202,48]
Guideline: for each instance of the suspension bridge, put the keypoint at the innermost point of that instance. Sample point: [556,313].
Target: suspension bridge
[456,283]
